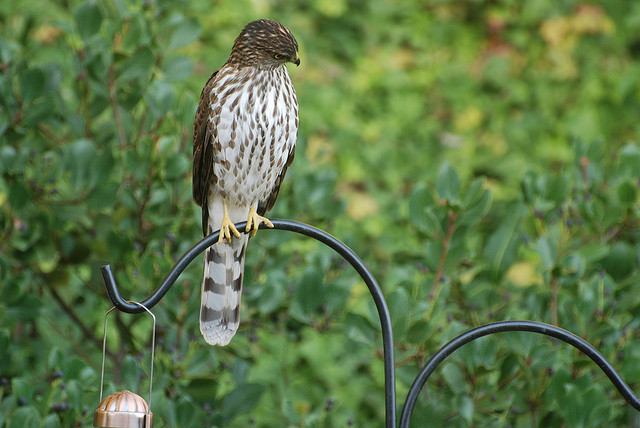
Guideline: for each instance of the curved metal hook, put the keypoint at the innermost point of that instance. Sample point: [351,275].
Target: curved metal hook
[303,229]
[153,348]
[526,326]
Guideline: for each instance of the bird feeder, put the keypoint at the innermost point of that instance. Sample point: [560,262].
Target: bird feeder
[125,409]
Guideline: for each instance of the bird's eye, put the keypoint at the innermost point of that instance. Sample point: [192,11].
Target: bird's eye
[278,56]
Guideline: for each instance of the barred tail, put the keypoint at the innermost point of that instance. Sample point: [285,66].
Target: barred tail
[221,290]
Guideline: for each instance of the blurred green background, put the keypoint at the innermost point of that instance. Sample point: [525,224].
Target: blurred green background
[480,156]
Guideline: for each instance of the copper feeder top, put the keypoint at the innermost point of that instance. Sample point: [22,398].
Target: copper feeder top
[123,409]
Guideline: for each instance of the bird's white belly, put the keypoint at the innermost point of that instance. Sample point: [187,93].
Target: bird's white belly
[255,133]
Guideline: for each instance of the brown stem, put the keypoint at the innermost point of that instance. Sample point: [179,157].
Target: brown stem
[86,331]
[143,206]
[185,138]
[417,356]
[500,386]
[85,100]
[85,107]
[584,164]
[554,300]
[114,106]
[451,227]
[48,132]
[532,410]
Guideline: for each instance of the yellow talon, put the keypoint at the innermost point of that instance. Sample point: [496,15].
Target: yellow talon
[227,225]
[253,221]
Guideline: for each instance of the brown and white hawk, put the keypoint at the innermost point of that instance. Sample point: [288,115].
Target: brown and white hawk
[244,138]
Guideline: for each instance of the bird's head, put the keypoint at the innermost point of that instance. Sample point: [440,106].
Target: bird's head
[266,44]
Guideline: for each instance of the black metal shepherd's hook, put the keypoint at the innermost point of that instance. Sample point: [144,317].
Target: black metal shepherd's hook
[499,327]
[304,229]
[385,321]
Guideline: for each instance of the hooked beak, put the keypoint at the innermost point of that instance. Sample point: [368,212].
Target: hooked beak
[296,60]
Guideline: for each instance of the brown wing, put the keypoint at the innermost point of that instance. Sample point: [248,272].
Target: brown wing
[267,204]
[203,151]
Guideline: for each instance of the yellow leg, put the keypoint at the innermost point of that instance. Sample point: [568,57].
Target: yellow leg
[253,221]
[227,226]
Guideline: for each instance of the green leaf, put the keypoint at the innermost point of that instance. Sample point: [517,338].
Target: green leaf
[621,261]
[200,363]
[239,370]
[359,329]
[187,31]
[104,196]
[5,357]
[241,400]
[73,367]
[448,184]
[593,251]
[26,308]
[136,33]
[290,412]
[558,188]
[177,165]
[137,67]
[80,159]
[501,249]
[42,108]
[130,373]
[47,257]
[476,203]
[419,332]
[398,302]
[25,417]
[272,294]
[454,377]
[421,213]
[55,359]
[177,68]
[308,296]
[22,388]
[159,196]
[74,393]
[548,251]
[627,192]
[88,18]
[572,268]
[629,161]
[331,8]
[160,96]
[8,157]
[466,408]
[433,253]
[19,195]
[201,388]
[33,84]
[51,421]
[529,187]
[186,412]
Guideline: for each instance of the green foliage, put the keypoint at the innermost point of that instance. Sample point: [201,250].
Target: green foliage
[480,156]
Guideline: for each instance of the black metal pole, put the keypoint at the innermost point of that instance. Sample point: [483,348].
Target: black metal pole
[499,327]
[301,228]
